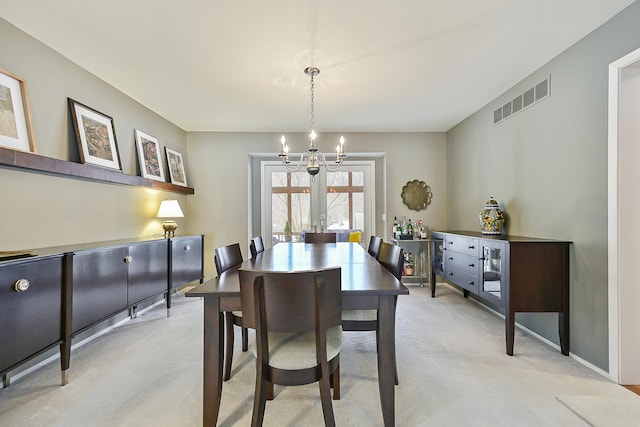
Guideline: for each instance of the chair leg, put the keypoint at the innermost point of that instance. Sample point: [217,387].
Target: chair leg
[245,339]
[228,358]
[335,383]
[260,398]
[269,390]
[325,397]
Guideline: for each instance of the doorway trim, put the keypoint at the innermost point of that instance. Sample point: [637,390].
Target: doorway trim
[614,285]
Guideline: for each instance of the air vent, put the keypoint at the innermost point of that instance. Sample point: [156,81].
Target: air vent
[521,102]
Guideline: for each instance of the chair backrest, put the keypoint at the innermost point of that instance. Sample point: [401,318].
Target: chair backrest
[256,246]
[227,257]
[319,237]
[355,236]
[289,299]
[374,246]
[392,258]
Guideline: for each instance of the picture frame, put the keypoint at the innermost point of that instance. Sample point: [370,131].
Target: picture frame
[148,150]
[95,135]
[15,115]
[175,165]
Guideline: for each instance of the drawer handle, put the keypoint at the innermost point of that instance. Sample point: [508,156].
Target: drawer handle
[472,247]
[451,243]
[128,259]
[451,259]
[451,274]
[472,265]
[187,248]
[470,283]
[21,285]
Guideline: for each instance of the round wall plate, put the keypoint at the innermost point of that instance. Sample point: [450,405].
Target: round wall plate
[416,195]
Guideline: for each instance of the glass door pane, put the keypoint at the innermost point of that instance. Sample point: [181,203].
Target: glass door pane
[492,270]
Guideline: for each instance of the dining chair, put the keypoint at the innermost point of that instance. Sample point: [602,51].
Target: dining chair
[355,236]
[256,246]
[374,246]
[390,257]
[296,316]
[320,237]
[225,258]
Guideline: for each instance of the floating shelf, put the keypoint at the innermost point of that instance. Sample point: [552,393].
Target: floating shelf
[41,164]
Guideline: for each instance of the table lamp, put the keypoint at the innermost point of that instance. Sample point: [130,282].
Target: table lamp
[169,209]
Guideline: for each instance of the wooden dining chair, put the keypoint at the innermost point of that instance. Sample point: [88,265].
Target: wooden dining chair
[390,257]
[374,246]
[256,246]
[320,237]
[225,258]
[296,316]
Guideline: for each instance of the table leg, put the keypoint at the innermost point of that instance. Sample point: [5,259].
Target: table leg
[386,357]
[212,369]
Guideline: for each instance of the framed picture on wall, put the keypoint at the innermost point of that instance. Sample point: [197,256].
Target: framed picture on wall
[149,156]
[95,135]
[15,117]
[176,167]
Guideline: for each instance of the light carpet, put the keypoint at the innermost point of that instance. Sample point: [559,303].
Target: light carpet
[452,367]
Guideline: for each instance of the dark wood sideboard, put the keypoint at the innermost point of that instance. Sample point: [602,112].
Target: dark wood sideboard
[511,273]
[50,295]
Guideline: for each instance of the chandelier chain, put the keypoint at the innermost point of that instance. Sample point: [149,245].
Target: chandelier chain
[313,119]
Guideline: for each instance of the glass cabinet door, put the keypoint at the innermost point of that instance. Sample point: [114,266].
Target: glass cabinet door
[493,270]
[437,254]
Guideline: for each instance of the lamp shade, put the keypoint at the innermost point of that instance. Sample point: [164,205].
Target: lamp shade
[169,209]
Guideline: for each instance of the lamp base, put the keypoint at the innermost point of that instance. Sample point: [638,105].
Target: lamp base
[169,228]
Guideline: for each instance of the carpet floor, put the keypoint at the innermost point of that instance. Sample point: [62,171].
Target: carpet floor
[453,371]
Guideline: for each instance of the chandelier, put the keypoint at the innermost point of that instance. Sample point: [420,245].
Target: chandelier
[312,158]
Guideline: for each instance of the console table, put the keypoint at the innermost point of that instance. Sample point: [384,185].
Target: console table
[49,295]
[516,274]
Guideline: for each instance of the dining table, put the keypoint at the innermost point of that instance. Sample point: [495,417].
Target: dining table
[365,284]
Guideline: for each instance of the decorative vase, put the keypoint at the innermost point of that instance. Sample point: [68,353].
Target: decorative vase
[492,219]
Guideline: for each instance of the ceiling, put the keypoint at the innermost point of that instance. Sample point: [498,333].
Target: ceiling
[407,65]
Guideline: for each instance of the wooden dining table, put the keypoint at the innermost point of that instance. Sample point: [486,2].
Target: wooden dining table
[366,284]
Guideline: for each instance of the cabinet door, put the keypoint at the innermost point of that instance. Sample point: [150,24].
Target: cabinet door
[494,259]
[186,260]
[30,320]
[99,285]
[148,270]
[437,254]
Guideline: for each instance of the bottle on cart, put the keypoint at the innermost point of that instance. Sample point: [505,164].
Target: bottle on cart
[410,229]
[395,227]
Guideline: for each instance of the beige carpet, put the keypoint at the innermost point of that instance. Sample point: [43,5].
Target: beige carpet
[452,366]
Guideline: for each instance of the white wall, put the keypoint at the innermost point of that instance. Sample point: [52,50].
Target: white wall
[548,166]
[219,171]
[40,210]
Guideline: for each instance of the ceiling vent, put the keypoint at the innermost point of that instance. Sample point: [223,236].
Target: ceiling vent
[521,102]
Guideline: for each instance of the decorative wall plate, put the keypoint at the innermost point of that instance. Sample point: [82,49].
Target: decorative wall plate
[416,195]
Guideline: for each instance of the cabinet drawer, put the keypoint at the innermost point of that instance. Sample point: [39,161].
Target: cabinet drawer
[467,263]
[463,279]
[30,320]
[463,245]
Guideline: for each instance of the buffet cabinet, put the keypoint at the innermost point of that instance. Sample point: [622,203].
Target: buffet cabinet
[512,273]
[50,295]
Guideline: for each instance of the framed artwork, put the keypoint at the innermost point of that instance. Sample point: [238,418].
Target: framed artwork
[176,167]
[15,117]
[95,135]
[149,156]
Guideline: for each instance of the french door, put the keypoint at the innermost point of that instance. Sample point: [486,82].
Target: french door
[292,202]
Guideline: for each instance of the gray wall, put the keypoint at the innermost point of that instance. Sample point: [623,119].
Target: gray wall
[547,166]
[219,170]
[45,210]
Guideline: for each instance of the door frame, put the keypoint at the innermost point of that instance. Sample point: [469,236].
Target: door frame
[617,313]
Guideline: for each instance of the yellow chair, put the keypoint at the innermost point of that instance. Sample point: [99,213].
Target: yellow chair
[355,236]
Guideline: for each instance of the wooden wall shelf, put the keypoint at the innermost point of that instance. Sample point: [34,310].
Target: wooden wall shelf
[41,164]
